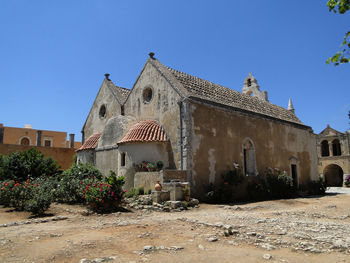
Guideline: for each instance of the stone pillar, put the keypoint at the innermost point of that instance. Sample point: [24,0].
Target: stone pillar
[71,140]
[38,138]
[330,146]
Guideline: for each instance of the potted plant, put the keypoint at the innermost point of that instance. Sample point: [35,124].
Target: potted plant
[159,165]
[151,167]
[187,192]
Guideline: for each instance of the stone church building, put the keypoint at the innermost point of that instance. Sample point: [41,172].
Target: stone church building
[195,126]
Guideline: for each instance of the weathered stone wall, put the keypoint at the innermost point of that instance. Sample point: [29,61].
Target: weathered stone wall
[216,142]
[107,161]
[147,180]
[94,123]
[343,161]
[174,174]
[86,156]
[63,156]
[163,107]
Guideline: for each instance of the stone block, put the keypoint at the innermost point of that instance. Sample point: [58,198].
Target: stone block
[160,196]
[174,204]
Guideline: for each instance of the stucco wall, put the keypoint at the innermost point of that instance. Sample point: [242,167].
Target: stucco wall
[63,156]
[86,156]
[217,136]
[163,107]
[105,97]
[139,152]
[13,135]
[107,161]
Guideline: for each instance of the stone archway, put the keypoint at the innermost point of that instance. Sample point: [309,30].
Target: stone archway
[333,175]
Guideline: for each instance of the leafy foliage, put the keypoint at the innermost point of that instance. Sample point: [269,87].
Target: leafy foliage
[343,56]
[105,195]
[20,166]
[71,184]
[32,196]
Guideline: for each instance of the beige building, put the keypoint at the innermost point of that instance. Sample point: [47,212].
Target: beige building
[34,137]
[333,149]
[50,143]
[195,126]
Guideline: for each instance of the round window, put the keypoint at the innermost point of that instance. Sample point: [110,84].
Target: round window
[102,112]
[147,95]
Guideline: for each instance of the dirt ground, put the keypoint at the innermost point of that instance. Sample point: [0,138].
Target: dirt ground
[314,229]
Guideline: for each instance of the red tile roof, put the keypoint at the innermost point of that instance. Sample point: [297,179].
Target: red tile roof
[145,131]
[91,142]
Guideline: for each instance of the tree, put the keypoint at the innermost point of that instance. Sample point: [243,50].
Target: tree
[343,56]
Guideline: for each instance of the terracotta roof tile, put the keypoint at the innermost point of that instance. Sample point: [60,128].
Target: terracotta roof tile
[145,131]
[91,142]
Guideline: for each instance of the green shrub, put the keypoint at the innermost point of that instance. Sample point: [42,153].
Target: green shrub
[131,193]
[104,195]
[5,192]
[20,166]
[140,190]
[40,197]
[317,187]
[279,184]
[33,196]
[70,185]
[257,188]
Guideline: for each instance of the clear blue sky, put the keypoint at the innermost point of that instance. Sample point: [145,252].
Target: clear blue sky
[53,54]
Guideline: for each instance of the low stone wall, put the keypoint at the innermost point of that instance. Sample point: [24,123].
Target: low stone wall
[63,156]
[147,180]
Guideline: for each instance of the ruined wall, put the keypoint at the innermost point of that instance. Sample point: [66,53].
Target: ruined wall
[94,123]
[162,107]
[217,137]
[63,156]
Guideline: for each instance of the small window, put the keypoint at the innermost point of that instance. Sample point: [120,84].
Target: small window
[102,112]
[147,95]
[25,141]
[47,143]
[122,110]
[122,159]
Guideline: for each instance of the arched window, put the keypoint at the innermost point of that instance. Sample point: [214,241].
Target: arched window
[25,141]
[249,162]
[336,148]
[324,148]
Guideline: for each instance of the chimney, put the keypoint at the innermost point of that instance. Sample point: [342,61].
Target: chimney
[71,140]
[151,55]
[38,138]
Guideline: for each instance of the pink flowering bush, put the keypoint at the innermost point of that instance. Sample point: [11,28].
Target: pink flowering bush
[105,195]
